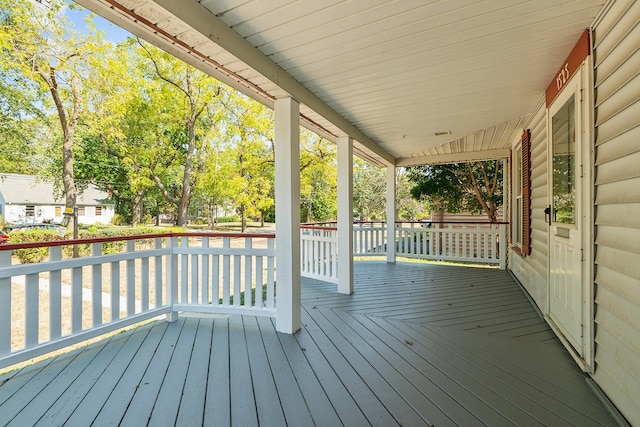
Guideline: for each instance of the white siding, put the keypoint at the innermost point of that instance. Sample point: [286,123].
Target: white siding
[617,201]
[531,270]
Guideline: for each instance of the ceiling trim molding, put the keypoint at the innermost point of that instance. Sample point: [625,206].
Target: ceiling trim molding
[471,156]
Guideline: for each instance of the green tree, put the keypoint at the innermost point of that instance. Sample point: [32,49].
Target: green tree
[50,57]
[407,207]
[475,187]
[369,191]
[318,178]
[190,102]
[249,134]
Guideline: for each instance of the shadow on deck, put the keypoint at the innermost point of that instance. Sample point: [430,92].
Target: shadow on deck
[416,344]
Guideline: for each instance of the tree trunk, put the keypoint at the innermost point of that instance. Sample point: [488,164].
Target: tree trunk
[68,126]
[243,219]
[136,218]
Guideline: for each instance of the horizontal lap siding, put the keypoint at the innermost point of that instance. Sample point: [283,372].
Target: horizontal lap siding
[617,200]
[531,270]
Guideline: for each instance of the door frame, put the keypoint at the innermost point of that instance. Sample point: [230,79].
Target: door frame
[583,78]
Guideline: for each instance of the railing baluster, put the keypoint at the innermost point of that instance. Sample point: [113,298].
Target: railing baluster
[271,291]
[205,283]
[259,280]
[76,300]
[157,265]
[32,307]
[215,299]
[226,272]
[115,290]
[195,269]
[96,287]
[144,278]
[131,280]
[55,295]
[236,280]
[172,277]
[5,305]
[248,270]
[184,272]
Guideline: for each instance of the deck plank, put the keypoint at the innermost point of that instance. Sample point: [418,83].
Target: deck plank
[368,402]
[75,393]
[193,399]
[243,405]
[264,386]
[481,398]
[217,409]
[317,402]
[147,389]
[12,406]
[167,404]
[395,402]
[50,393]
[415,344]
[295,409]
[347,410]
[432,400]
[125,387]
[104,386]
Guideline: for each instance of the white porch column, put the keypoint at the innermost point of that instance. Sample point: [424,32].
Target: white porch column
[391,213]
[345,215]
[287,193]
[506,189]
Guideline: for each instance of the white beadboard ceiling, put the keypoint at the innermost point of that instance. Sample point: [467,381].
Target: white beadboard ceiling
[389,73]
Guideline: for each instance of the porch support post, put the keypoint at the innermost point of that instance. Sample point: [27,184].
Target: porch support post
[506,186]
[345,215]
[391,213]
[287,192]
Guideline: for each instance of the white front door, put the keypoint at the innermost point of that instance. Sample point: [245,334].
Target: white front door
[565,234]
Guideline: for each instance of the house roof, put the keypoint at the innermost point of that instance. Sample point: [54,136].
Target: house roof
[410,81]
[17,189]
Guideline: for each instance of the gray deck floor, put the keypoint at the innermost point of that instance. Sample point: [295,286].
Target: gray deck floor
[414,345]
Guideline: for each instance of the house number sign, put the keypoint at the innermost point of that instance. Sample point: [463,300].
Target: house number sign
[569,67]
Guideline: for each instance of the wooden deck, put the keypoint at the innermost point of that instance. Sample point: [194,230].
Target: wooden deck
[416,344]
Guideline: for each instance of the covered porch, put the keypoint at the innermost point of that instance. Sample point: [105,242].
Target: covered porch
[415,344]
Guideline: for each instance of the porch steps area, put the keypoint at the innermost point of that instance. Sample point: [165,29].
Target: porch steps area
[415,345]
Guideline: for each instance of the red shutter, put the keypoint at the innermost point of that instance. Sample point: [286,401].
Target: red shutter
[510,196]
[526,192]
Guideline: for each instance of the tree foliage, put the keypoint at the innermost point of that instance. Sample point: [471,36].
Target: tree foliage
[475,187]
[155,133]
[52,64]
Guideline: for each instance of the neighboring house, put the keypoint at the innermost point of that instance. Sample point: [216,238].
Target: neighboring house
[27,199]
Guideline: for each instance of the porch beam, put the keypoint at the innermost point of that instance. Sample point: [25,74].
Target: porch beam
[345,215]
[391,214]
[471,156]
[287,192]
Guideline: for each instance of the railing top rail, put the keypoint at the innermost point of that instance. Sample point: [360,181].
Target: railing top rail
[317,227]
[66,242]
[452,222]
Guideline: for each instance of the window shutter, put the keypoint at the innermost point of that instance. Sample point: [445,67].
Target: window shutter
[511,205]
[526,192]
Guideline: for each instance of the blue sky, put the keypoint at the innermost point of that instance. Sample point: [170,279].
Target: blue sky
[113,33]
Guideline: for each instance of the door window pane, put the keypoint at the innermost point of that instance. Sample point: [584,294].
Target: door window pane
[564,168]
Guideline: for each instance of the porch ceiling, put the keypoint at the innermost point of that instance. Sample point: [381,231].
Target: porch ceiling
[391,74]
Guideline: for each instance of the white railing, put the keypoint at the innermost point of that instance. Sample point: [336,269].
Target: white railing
[481,242]
[120,281]
[319,252]
[369,239]
[464,242]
